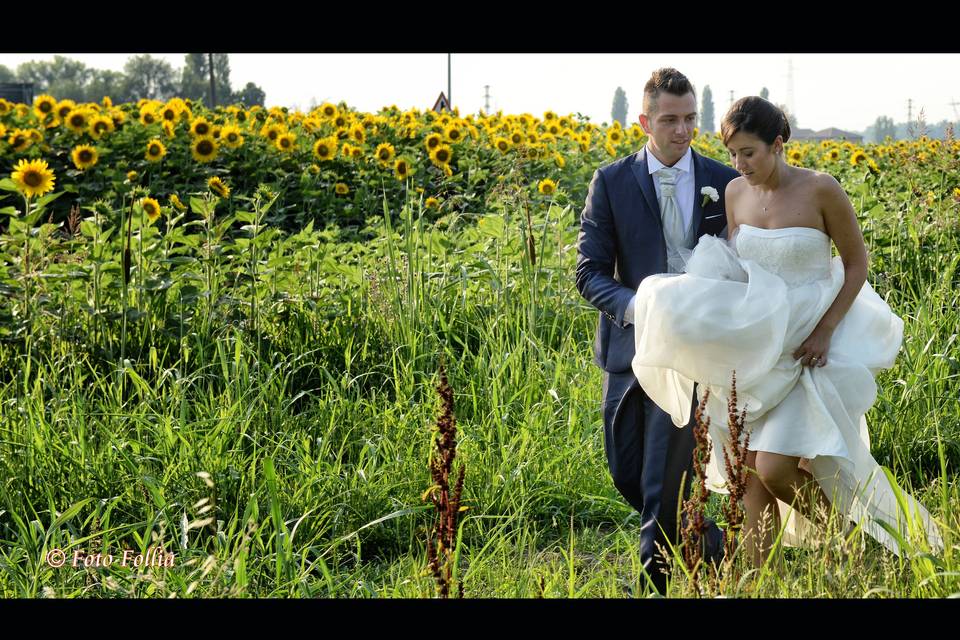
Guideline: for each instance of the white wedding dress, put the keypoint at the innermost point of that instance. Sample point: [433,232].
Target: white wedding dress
[747,308]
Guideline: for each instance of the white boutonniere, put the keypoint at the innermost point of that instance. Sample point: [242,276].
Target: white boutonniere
[709,193]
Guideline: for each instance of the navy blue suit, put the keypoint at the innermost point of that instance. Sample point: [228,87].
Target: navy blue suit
[621,243]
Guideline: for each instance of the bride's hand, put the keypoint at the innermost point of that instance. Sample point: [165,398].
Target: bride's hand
[813,351]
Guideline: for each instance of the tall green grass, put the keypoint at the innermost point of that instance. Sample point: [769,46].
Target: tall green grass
[269,419]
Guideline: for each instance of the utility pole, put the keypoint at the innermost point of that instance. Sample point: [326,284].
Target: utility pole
[449,93]
[731,98]
[213,90]
[486,99]
[909,111]
[956,115]
[790,105]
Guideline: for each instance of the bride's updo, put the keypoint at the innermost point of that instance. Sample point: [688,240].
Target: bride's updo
[755,116]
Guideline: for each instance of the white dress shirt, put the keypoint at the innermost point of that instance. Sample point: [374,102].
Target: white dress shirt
[686,185]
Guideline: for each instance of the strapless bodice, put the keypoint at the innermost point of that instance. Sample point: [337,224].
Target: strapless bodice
[798,255]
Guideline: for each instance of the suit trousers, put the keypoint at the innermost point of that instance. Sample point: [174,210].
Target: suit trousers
[647,456]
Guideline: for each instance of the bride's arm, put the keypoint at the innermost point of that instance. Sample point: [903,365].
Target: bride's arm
[729,199]
[841,222]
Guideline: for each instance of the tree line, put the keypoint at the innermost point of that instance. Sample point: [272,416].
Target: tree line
[143,76]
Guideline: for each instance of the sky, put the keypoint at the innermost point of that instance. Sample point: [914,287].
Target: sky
[843,90]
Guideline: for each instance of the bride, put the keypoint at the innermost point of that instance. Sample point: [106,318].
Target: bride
[805,333]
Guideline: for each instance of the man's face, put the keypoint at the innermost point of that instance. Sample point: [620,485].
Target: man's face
[670,126]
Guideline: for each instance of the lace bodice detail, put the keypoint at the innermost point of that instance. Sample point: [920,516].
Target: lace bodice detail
[798,255]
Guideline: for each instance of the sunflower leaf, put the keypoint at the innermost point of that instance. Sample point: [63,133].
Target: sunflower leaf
[7,184]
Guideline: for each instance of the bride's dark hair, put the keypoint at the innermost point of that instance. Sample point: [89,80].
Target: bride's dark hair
[756,116]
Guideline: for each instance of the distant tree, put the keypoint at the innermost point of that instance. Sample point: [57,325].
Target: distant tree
[107,83]
[619,111]
[791,118]
[61,78]
[883,127]
[250,95]
[6,75]
[149,77]
[706,110]
[765,93]
[195,77]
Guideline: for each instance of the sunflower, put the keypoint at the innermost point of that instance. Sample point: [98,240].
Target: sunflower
[175,201]
[169,129]
[358,133]
[101,125]
[547,187]
[432,203]
[204,148]
[341,189]
[147,115]
[502,144]
[118,117]
[20,140]
[219,187]
[152,208]
[315,169]
[795,156]
[132,176]
[77,120]
[155,150]
[614,136]
[271,131]
[64,107]
[554,129]
[441,156]
[610,149]
[3,130]
[106,102]
[402,168]
[326,148]
[169,112]
[453,133]
[432,141]
[231,136]
[33,178]
[84,156]
[834,154]
[44,105]
[285,142]
[356,153]
[857,158]
[548,116]
[200,127]
[559,160]
[329,110]
[384,153]
[872,165]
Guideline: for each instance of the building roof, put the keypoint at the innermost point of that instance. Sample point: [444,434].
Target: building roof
[831,133]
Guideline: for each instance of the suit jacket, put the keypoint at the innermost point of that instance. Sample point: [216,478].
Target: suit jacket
[621,243]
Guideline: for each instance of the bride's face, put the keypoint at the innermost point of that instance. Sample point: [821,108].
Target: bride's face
[752,157]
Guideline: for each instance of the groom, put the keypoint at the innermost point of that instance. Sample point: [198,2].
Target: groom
[639,211]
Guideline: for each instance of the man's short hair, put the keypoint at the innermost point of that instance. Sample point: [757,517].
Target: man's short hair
[667,80]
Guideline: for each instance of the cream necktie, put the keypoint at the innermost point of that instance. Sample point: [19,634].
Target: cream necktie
[674,229]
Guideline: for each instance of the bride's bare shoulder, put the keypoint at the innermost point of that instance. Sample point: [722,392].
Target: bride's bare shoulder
[735,186]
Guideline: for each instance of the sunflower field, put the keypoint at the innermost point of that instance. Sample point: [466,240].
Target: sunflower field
[222,330]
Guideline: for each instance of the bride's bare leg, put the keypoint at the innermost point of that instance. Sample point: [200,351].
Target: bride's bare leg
[762,518]
[784,479]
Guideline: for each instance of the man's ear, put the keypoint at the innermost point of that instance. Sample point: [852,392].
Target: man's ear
[645,123]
